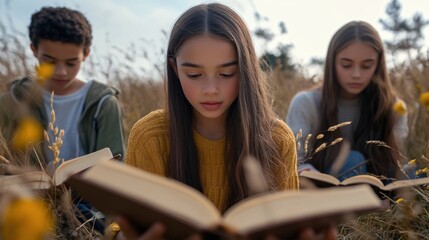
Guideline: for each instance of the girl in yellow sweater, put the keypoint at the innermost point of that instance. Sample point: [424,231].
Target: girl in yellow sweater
[218,114]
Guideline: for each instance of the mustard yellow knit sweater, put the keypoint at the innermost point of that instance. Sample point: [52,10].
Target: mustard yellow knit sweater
[148,149]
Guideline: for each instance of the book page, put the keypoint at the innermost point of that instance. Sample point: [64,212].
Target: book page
[167,195]
[359,179]
[406,183]
[285,207]
[73,166]
[320,177]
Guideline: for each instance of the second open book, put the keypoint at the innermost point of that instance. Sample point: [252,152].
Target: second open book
[326,180]
[43,180]
[145,198]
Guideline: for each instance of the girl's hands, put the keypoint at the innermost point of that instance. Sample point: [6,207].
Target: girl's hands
[155,232]
[330,233]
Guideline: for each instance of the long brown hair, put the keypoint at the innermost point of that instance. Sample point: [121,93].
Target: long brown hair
[249,118]
[376,116]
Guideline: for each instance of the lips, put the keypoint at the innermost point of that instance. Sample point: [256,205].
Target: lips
[355,85]
[211,106]
[60,81]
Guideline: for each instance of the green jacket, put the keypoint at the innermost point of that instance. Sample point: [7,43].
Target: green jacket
[100,124]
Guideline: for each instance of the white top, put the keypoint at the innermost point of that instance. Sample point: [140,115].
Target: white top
[304,114]
[68,110]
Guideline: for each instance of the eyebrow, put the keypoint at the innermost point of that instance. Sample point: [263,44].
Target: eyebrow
[350,60]
[188,64]
[50,57]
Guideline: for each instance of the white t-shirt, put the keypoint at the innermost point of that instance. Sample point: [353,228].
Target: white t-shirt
[68,111]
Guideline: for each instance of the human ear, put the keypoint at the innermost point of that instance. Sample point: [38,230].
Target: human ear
[33,49]
[86,53]
[173,65]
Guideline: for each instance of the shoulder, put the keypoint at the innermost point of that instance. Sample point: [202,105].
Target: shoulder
[99,89]
[307,97]
[101,95]
[304,107]
[281,131]
[96,85]
[153,125]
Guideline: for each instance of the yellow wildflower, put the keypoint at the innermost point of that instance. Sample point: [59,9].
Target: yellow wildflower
[29,131]
[26,218]
[424,99]
[423,170]
[44,71]
[400,107]
[412,162]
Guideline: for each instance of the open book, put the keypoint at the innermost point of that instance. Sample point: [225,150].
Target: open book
[326,180]
[43,180]
[116,188]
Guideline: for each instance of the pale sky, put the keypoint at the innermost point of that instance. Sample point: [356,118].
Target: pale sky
[310,23]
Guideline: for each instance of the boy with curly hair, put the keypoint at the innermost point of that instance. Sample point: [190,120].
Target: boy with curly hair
[87,111]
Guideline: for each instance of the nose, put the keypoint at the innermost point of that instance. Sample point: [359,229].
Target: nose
[60,69]
[356,72]
[211,86]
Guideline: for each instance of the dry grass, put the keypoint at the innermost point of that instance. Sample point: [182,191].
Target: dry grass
[410,81]
[283,86]
[14,56]
[59,199]
[406,218]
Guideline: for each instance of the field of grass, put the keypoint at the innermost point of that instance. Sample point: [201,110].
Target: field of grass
[406,218]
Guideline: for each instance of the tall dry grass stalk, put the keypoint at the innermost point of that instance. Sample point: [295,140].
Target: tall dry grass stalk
[59,199]
[406,218]
[410,81]
[138,98]
[15,57]
[283,85]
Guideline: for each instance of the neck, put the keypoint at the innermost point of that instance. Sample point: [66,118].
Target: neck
[211,128]
[72,87]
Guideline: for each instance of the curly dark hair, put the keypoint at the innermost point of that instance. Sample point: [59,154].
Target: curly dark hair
[60,24]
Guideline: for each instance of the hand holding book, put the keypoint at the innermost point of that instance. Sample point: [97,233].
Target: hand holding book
[144,198]
[257,184]
[157,231]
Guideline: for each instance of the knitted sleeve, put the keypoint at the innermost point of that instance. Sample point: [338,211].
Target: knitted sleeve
[147,144]
[303,114]
[286,174]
